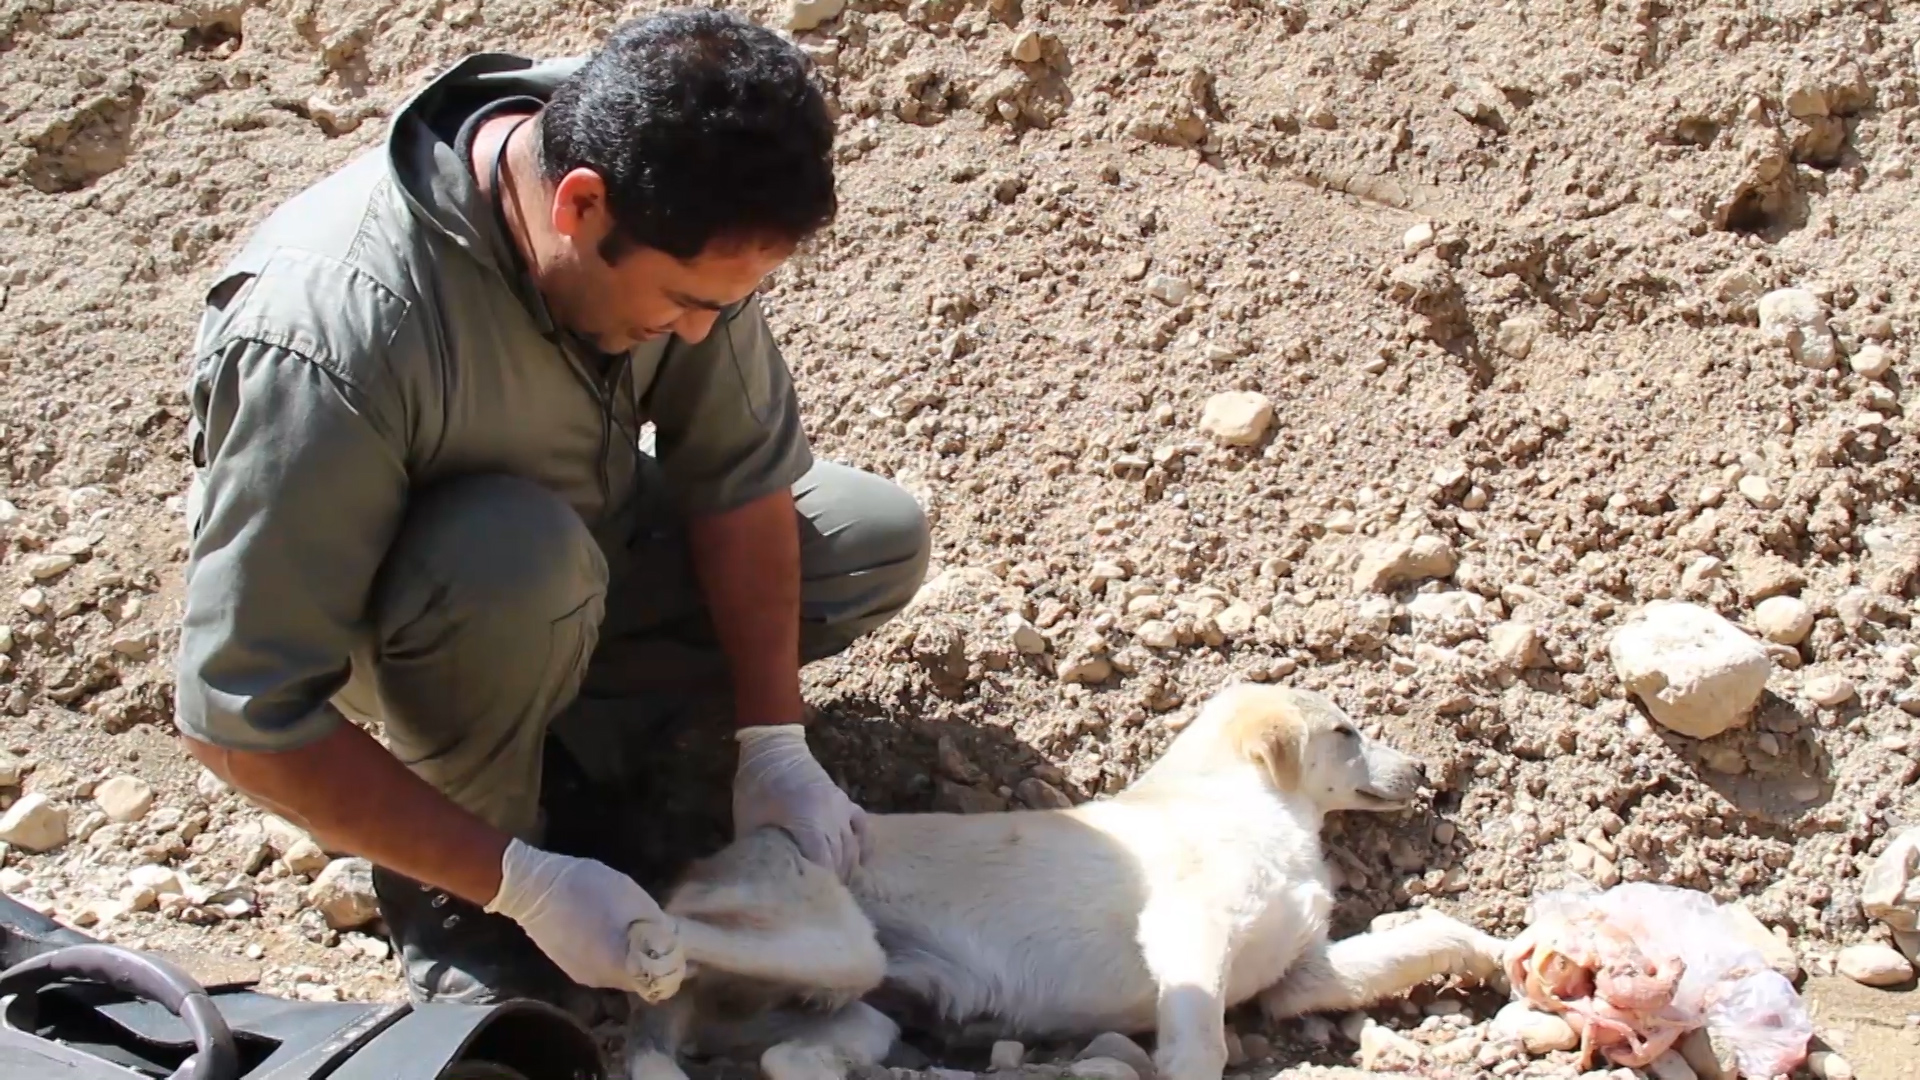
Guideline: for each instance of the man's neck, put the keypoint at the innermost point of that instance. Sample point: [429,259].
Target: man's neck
[516,170]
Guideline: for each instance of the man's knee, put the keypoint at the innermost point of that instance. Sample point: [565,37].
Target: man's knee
[490,547]
[868,530]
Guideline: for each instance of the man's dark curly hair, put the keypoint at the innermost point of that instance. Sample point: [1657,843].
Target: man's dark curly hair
[704,126]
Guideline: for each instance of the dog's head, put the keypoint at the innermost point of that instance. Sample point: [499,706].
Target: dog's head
[1302,743]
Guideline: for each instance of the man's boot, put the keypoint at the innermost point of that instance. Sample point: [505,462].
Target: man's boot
[451,950]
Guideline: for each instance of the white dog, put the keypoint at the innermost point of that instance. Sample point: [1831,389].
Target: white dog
[1200,886]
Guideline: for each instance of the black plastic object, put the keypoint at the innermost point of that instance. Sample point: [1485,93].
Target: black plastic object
[146,977]
[78,1009]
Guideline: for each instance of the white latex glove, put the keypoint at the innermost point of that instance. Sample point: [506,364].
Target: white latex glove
[594,922]
[778,782]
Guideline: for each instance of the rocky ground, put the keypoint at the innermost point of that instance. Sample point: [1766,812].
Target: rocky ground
[1403,350]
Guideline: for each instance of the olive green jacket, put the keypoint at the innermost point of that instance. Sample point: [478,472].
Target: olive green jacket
[371,337]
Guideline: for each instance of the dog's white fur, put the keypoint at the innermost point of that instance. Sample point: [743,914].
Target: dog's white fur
[1200,886]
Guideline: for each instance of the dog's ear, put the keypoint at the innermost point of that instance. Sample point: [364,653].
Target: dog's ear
[1266,729]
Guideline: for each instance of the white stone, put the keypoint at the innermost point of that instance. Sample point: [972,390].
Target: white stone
[34,601]
[1871,361]
[48,567]
[1418,237]
[343,893]
[1390,563]
[1515,337]
[1008,1055]
[160,880]
[1100,1068]
[1827,1065]
[805,15]
[1516,644]
[1024,637]
[1456,605]
[1383,1048]
[6,638]
[1157,634]
[124,798]
[1028,47]
[306,858]
[1086,669]
[1169,290]
[11,769]
[1890,891]
[1114,1046]
[1538,1032]
[1828,691]
[1698,673]
[209,785]
[1759,491]
[1235,620]
[1796,320]
[1237,417]
[1783,620]
[34,824]
[1874,965]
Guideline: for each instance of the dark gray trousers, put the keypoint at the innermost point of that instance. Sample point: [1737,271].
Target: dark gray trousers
[497,605]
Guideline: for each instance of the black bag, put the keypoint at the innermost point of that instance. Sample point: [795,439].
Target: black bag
[75,1008]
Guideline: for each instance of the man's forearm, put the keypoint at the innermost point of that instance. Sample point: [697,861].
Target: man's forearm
[351,795]
[747,561]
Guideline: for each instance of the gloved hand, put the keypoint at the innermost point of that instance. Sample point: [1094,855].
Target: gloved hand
[778,782]
[594,922]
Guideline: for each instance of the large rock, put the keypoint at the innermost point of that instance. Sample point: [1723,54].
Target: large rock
[1874,965]
[343,894]
[1698,673]
[34,824]
[1891,890]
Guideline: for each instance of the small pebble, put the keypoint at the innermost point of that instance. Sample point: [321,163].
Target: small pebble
[1783,620]
[1871,362]
[1008,1055]
[1540,1033]
[1237,417]
[1113,1046]
[1828,691]
[1827,1065]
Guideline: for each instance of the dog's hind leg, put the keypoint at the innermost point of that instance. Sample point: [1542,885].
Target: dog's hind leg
[1368,968]
[1186,952]
[858,1034]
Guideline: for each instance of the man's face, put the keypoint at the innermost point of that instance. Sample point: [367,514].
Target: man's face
[644,293]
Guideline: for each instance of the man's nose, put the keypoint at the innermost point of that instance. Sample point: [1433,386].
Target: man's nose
[694,326]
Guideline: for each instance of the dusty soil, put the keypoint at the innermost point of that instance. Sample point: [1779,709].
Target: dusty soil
[1496,271]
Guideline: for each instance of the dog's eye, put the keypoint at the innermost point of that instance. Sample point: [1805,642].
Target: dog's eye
[1350,733]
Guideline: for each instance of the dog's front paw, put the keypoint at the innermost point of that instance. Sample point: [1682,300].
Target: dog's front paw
[646,1063]
[801,1061]
[654,961]
[1187,1059]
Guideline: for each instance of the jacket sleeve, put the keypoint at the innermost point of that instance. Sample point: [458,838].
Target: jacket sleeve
[299,494]
[726,418]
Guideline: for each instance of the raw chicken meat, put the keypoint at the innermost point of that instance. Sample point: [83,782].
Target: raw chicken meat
[1637,967]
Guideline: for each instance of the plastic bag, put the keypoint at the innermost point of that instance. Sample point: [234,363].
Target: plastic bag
[1727,986]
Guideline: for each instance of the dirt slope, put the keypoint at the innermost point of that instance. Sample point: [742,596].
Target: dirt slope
[1496,273]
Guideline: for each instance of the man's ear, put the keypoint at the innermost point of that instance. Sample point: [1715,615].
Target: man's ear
[579,210]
